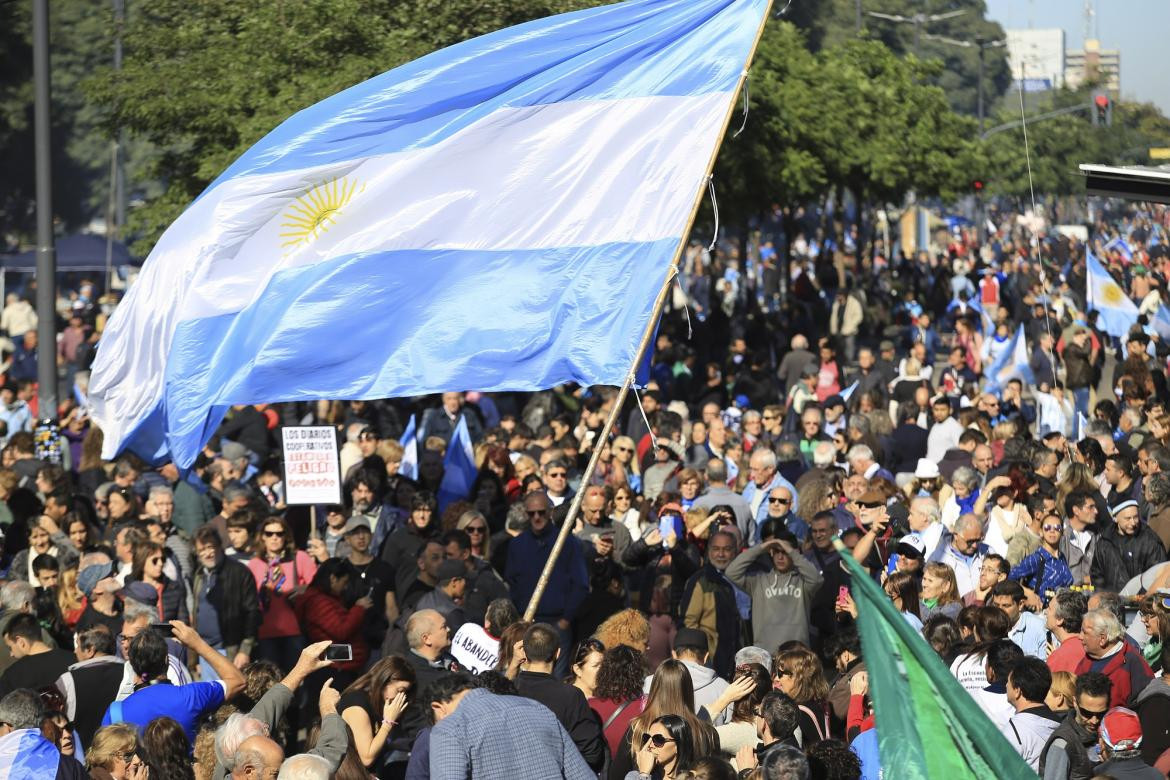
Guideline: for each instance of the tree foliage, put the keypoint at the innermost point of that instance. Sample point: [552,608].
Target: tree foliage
[854,114]
[1058,145]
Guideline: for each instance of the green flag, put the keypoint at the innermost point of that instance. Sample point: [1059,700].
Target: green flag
[929,727]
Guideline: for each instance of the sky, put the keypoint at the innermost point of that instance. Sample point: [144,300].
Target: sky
[1137,28]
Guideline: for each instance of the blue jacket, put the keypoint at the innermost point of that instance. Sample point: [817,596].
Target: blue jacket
[568,585]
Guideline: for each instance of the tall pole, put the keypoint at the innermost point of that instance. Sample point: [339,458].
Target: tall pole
[647,334]
[859,17]
[46,253]
[116,212]
[980,42]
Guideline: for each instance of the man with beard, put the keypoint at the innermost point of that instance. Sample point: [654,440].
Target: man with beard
[365,490]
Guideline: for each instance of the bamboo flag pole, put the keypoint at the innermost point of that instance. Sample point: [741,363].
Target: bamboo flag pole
[647,334]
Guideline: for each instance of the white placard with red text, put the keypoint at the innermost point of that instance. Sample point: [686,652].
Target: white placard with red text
[311,471]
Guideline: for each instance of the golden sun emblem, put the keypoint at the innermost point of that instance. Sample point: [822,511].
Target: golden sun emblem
[316,211]
[1112,294]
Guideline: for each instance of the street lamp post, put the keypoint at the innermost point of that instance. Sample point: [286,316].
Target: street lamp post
[46,252]
[983,45]
[917,20]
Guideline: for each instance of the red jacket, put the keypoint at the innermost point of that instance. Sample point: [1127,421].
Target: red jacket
[323,616]
[1126,668]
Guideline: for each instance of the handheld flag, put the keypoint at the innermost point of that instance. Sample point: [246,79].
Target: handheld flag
[1122,246]
[458,468]
[1161,322]
[1012,363]
[931,728]
[847,393]
[1115,311]
[409,441]
[498,215]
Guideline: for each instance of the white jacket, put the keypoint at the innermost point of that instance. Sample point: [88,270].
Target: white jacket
[1028,731]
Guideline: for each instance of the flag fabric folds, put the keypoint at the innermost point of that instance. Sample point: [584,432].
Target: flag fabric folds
[409,441]
[930,727]
[498,215]
[459,470]
[1115,311]
[1012,363]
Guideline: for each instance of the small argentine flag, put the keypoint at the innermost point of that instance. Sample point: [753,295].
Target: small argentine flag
[1116,313]
[498,215]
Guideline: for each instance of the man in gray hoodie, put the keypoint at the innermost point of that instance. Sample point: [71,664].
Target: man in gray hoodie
[781,592]
[691,647]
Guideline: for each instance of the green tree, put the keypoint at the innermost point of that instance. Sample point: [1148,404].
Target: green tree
[1057,146]
[853,115]
[79,41]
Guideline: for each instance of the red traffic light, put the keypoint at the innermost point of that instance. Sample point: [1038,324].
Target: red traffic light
[977,184]
[1102,101]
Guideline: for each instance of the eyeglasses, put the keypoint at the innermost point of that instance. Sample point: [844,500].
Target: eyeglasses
[1051,527]
[273,533]
[656,739]
[1091,714]
[536,512]
[779,500]
[555,475]
[781,673]
[624,449]
[476,529]
[968,542]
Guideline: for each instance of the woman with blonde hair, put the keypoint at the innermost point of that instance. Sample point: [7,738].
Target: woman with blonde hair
[70,599]
[113,754]
[671,693]
[940,592]
[1062,692]
[798,673]
[818,496]
[473,523]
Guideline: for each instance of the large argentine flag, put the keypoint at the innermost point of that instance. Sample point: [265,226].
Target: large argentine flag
[497,215]
[1116,313]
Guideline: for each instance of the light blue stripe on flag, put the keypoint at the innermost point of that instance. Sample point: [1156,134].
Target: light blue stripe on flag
[497,216]
[1116,313]
[409,441]
[458,468]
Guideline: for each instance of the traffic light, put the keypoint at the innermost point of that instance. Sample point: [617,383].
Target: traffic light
[1102,110]
[977,185]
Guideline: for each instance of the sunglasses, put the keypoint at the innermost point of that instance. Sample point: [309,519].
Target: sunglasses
[624,449]
[274,533]
[1091,714]
[656,739]
[870,504]
[536,512]
[155,560]
[1050,527]
[556,475]
[779,500]
[781,673]
[476,529]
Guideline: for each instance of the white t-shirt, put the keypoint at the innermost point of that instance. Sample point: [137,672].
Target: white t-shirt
[475,649]
[970,670]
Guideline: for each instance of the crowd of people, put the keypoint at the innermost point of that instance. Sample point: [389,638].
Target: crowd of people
[699,621]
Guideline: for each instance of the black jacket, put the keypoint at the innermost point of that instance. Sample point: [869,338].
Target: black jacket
[908,444]
[233,595]
[90,687]
[1076,744]
[1121,558]
[646,561]
[569,705]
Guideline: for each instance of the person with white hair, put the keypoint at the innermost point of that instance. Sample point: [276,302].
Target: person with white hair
[305,766]
[764,478]
[861,461]
[249,731]
[1106,651]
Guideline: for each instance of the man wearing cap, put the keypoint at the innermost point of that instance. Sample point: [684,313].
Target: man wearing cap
[224,610]
[835,418]
[102,606]
[945,432]
[447,596]
[1125,549]
[781,593]
[690,646]
[1121,741]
